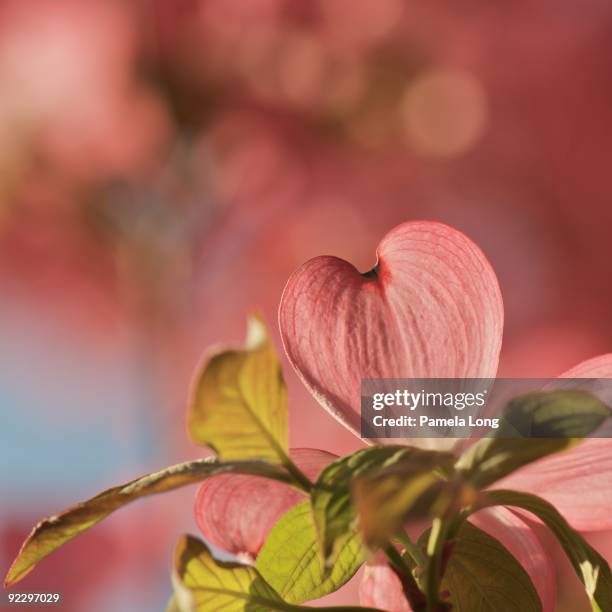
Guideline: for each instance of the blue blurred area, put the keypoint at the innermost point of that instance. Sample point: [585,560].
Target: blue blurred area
[79,413]
[65,403]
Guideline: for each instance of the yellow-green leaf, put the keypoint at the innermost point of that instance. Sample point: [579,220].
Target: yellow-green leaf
[291,560]
[54,531]
[203,583]
[239,401]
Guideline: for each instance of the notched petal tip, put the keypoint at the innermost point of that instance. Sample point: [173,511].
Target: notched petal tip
[440,315]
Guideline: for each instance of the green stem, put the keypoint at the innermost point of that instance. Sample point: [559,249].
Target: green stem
[299,477]
[412,549]
[411,589]
[435,546]
[443,532]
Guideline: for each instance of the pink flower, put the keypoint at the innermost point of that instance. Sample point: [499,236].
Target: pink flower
[431,307]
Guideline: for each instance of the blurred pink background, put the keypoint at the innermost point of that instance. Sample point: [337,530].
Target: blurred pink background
[164,167]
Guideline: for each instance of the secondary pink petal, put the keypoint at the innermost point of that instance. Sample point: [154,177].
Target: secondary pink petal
[577,482]
[522,542]
[430,308]
[597,367]
[381,588]
[236,512]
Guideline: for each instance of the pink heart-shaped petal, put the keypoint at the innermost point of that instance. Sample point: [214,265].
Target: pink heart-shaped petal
[430,308]
[236,512]
[577,482]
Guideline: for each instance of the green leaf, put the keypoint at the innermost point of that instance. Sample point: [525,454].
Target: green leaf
[239,401]
[54,531]
[532,426]
[389,498]
[331,497]
[203,583]
[592,569]
[291,560]
[482,575]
